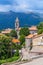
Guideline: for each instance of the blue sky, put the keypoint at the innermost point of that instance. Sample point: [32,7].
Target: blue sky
[21,5]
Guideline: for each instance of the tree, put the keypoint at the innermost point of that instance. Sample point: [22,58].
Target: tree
[22,39]
[24,31]
[17,53]
[40,25]
[13,33]
[40,28]
[40,31]
[5,48]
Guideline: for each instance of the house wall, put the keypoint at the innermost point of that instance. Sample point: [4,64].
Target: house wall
[33,31]
[28,42]
[33,54]
[37,41]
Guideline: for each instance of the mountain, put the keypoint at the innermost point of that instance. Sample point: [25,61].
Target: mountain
[7,19]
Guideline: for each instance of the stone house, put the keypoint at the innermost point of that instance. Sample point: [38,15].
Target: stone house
[28,41]
[37,43]
[6,31]
[33,29]
[37,40]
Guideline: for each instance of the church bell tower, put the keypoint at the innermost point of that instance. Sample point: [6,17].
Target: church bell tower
[16,23]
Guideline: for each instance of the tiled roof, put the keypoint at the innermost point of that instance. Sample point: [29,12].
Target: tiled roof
[34,35]
[15,41]
[6,31]
[30,28]
[33,28]
[29,36]
[38,36]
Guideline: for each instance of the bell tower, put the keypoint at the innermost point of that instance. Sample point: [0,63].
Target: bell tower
[16,23]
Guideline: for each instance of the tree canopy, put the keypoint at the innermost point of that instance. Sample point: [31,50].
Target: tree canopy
[24,31]
[40,25]
[5,46]
[40,28]
[22,39]
[13,33]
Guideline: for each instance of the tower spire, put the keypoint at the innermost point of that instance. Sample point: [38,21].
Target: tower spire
[17,20]
[16,23]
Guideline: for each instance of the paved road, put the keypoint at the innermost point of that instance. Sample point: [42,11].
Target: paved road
[38,61]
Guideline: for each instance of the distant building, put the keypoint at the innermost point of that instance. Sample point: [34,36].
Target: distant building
[6,31]
[1,34]
[33,29]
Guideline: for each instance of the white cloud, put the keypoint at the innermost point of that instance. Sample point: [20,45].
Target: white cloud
[5,8]
[27,5]
[23,6]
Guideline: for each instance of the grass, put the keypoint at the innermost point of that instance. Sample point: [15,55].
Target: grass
[14,58]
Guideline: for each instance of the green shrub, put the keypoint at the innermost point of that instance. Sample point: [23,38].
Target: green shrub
[9,60]
[17,53]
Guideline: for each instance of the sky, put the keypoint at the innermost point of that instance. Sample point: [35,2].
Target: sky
[21,5]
